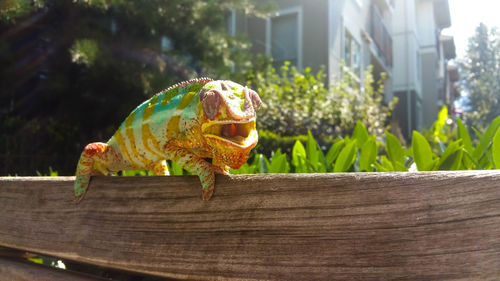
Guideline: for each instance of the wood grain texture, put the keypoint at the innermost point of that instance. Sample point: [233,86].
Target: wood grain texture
[356,226]
[16,270]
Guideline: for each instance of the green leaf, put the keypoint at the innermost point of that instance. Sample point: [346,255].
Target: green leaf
[453,162]
[244,169]
[478,134]
[385,165]
[135,173]
[495,149]
[485,141]
[400,167]
[368,155]
[334,151]
[52,172]
[394,149]
[315,157]
[263,164]
[36,260]
[278,163]
[255,164]
[360,133]
[346,157]
[468,161]
[176,169]
[422,153]
[463,134]
[299,158]
[440,122]
[452,156]
[320,165]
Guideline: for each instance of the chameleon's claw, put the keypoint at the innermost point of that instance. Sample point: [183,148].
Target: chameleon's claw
[206,194]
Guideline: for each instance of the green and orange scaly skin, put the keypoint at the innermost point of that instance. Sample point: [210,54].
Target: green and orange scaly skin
[186,123]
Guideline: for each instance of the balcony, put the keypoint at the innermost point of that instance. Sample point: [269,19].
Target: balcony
[381,36]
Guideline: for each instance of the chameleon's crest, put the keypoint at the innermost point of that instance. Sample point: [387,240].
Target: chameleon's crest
[203,80]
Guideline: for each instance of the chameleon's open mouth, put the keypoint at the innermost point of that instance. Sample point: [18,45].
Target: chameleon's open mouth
[240,133]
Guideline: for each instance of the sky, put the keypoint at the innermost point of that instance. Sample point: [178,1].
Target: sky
[466,16]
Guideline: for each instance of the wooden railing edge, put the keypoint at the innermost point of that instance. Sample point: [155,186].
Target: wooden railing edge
[286,226]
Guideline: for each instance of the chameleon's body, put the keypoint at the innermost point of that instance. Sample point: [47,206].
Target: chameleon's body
[185,123]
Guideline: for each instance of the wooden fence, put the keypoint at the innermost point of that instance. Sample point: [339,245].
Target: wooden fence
[355,226]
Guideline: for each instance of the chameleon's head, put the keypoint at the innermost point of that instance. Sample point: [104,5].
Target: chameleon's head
[227,115]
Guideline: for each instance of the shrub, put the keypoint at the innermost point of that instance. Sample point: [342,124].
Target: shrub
[361,152]
[295,103]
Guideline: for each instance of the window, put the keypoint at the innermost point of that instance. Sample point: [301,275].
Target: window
[352,55]
[283,34]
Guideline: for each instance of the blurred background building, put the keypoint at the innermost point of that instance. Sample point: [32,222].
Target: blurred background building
[401,38]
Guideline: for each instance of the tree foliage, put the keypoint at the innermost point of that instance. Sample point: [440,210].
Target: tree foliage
[72,70]
[481,76]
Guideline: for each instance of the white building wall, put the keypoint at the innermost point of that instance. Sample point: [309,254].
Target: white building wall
[406,76]
[344,15]
[355,17]
[426,26]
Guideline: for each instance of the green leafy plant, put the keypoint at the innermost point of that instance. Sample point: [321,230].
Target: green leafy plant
[52,173]
[361,152]
[295,102]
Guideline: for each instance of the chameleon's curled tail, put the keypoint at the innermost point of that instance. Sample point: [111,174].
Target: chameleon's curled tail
[94,152]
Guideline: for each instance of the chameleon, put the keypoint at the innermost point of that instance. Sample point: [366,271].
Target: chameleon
[189,123]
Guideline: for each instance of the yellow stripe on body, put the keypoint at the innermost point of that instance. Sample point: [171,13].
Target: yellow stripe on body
[129,131]
[123,148]
[173,126]
[146,136]
[186,100]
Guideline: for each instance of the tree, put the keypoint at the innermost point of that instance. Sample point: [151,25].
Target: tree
[73,70]
[480,70]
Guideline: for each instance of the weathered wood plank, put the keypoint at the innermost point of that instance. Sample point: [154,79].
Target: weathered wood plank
[16,270]
[405,226]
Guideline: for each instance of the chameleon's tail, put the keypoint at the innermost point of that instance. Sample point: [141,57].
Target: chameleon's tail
[94,153]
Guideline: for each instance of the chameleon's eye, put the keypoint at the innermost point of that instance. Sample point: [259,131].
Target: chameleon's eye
[254,97]
[210,101]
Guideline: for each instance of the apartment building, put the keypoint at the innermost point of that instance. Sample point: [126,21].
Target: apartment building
[423,77]
[398,37]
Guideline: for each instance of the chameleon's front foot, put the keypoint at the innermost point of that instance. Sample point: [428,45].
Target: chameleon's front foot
[81,184]
[207,194]
[207,180]
[93,161]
